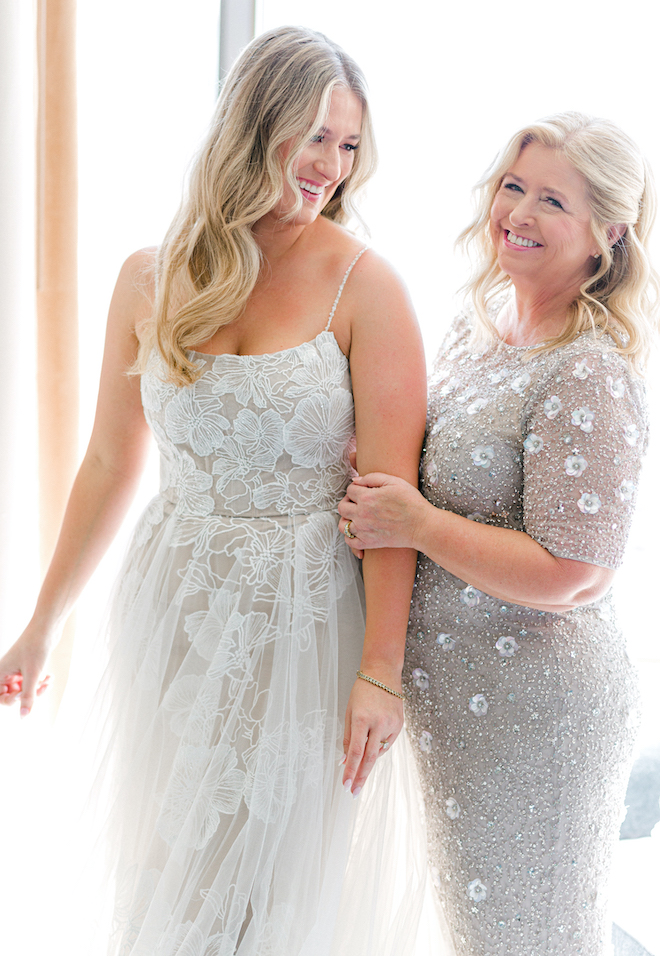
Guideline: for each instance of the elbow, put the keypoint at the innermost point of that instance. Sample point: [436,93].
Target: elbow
[578,584]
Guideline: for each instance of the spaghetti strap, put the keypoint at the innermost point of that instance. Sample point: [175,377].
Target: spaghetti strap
[341,287]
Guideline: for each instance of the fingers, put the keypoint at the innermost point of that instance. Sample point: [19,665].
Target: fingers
[363,745]
[28,692]
[10,687]
[43,685]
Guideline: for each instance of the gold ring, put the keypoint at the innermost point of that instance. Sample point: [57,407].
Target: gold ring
[347,530]
[384,744]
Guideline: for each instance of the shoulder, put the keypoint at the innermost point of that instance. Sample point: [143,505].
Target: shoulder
[594,359]
[135,289]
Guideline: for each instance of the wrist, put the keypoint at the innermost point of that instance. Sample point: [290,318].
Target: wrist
[422,526]
[386,672]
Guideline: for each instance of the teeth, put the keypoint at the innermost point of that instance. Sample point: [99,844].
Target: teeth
[310,187]
[519,241]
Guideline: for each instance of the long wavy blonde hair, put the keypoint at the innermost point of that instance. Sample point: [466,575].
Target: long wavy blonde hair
[621,297]
[277,92]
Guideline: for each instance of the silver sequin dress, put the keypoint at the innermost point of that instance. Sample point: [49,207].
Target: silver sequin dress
[523,721]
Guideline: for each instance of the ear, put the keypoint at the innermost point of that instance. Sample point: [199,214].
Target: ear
[616,232]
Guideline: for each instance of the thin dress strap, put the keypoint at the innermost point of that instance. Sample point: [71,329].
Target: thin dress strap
[341,287]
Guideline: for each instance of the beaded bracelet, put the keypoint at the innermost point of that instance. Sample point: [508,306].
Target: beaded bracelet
[389,690]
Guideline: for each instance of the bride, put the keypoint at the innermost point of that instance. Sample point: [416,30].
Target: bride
[266,336]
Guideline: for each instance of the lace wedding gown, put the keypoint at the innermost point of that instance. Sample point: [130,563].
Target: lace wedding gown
[237,630]
[522,720]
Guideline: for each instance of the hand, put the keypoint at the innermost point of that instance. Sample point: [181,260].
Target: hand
[21,669]
[384,511]
[373,717]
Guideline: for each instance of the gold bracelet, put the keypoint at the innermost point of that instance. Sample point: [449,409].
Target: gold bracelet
[389,690]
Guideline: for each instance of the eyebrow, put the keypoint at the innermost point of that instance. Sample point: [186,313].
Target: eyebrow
[547,189]
[325,129]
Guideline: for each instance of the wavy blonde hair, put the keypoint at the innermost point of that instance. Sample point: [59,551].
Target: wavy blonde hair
[277,92]
[621,297]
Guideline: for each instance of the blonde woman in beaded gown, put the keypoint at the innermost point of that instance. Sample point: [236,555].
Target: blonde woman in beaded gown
[267,337]
[522,701]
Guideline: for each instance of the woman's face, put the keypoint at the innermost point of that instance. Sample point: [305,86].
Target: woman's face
[327,159]
[540,223]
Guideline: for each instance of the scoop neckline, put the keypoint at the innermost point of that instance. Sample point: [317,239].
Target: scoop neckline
[265,355]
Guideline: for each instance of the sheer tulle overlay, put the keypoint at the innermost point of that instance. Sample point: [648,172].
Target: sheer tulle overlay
[235,635]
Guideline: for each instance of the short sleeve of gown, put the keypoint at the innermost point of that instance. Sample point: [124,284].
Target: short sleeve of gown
[584,436]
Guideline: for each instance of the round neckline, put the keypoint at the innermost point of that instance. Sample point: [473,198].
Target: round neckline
[265,355]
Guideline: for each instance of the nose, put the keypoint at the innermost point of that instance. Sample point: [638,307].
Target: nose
[329,164]
[522,213]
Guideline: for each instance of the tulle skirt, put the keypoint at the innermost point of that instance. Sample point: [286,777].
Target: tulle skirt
[233,648]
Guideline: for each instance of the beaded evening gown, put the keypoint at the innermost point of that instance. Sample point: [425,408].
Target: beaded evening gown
[237,631]
[523,721]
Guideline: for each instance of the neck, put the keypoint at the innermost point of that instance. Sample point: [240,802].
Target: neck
[534,317]
[276,239]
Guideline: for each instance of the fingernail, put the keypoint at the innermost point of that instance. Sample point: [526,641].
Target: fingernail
[25,711]
[356,792]
[348,785]
[342,761]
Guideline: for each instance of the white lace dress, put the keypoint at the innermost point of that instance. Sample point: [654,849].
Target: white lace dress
[237,631]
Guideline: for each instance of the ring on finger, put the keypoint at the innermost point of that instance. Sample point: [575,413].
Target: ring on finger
[384,744]
[347,530]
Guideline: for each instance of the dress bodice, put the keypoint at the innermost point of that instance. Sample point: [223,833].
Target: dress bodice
[255,435]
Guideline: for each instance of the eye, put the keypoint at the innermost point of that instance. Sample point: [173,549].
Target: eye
[318,138]
[351,147]
[512,187]
[553,202]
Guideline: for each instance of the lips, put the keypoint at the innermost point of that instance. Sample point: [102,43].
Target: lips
[521,241]
[310,190]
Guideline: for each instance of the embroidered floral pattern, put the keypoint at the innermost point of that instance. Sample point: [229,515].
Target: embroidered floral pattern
[584,419]
[533,444]
[507,646]
[575,465]
[589,503]
[420,678]
[477,891]
[471,596]
[446,641]
[482,455]
[478,705]
[452,808]
[426,741]
[552,407]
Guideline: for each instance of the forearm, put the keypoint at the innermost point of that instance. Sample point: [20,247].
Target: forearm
[388,579]
[504,563]
[97,505]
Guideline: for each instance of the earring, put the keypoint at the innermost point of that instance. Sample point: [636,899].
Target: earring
[596,255]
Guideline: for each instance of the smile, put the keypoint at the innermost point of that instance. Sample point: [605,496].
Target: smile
[311,188]
[520,240]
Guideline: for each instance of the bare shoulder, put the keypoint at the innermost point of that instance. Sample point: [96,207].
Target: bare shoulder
[133,297]
[377,297]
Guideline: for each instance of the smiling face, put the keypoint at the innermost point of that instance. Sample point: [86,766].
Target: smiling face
[540,223]
[326,160]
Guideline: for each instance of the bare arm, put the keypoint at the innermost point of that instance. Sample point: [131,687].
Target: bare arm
[389,386]
[501,562]
[101,493]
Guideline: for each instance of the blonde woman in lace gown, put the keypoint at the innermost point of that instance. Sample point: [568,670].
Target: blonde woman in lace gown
[266,337]
[522,702]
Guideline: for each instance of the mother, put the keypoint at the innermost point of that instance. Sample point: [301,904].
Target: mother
[522,699]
